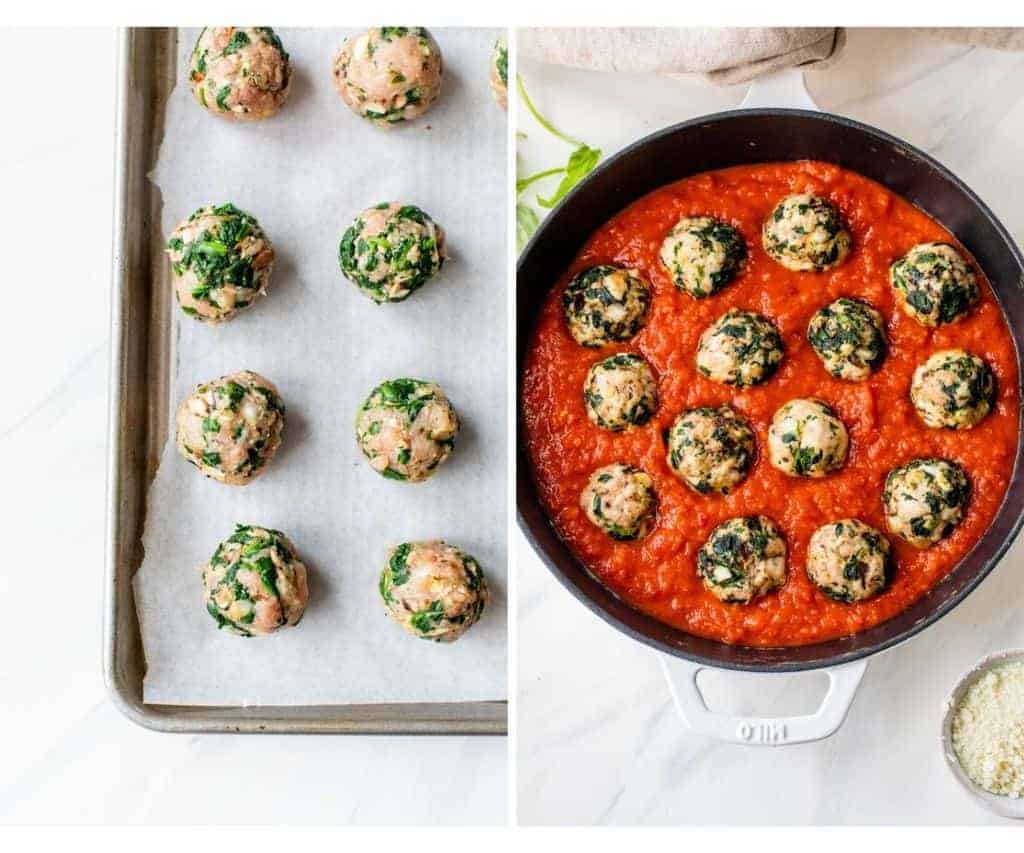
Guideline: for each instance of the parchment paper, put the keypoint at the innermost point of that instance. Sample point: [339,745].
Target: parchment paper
[305,174]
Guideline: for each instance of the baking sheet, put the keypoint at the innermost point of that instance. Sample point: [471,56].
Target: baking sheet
[305,174]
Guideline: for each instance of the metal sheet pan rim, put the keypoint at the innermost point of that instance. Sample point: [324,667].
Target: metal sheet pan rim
[445,718]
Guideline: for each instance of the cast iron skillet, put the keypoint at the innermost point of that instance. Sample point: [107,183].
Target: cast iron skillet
[731,139]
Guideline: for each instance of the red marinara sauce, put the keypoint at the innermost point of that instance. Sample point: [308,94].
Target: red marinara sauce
[658,575]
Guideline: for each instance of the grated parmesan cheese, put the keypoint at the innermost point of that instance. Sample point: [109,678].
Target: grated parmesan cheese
[988,731]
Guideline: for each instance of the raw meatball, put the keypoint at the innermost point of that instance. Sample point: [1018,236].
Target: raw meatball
[433,590]
[702,255]
[620,500]
[605,304]
[711,450]
[934,284]
[925,499]
[389,74]
[953,389]
[620,392]
[848,337]
[805,232]
[406,428]
[499,74]
[739,348]
[743,558]
[230,428]
[221,261]
[240,73]
[254,583]
[391,250]
[848,560]
[806,439]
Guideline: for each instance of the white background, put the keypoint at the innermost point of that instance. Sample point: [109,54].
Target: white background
[66,754]
[598,739]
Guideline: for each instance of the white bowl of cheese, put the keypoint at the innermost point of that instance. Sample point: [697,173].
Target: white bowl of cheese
[983,732]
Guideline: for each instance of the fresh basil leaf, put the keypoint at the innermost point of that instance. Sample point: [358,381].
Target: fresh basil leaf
[581,164]
[526,223]
[523,183]
[543,122]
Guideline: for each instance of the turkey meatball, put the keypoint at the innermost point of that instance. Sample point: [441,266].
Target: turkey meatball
[934,284]
[620,392]
[740,348]
[254,583]
[702,255]
[230,428]
[848,560]
[221,261]
[433,590]
[390,250]
[953,390]
[240,73]
[744,558]
[925,499]
[406,429]
[605,304]
[805,232]
[848,336]
[620,500]
[389,74]
[711,450]
[806,439]
[499,74]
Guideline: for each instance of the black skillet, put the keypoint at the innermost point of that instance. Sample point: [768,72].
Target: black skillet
[756,136]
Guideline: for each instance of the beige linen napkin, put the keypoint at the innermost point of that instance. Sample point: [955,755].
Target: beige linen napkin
[723,55]
[999,38]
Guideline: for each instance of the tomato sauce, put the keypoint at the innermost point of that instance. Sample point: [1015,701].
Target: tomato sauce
[657,575]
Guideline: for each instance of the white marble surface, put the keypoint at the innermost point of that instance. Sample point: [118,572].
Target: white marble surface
[67,754]
[598,738]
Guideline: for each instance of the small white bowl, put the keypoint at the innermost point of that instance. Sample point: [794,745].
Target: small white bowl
[1004,806]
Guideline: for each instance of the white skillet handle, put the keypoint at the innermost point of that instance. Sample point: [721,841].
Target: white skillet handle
[783,88]
[786,89]
[843,682]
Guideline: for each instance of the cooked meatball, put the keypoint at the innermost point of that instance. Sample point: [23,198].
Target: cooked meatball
[925,499]
[805,232]
[739,348]
[953,389]
[620,392]
[240,73]
[848,336]
[934,284]
[848,560]
[433,590]
[711,450]
[389,74]
[230,428]
[221,261]
[620,500]
[743,558]
[605,304]
[499,74]
[406,428]
[702,255]
[391,250]
[254,583]
[806,439]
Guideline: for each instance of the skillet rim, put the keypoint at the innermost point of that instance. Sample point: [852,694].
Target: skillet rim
[525,480]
